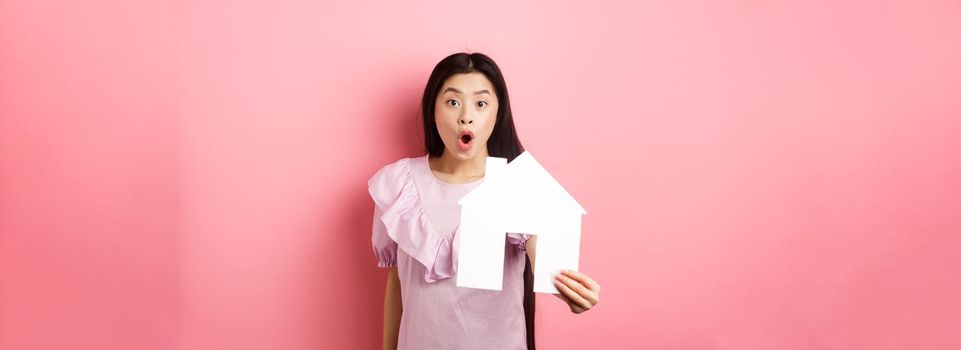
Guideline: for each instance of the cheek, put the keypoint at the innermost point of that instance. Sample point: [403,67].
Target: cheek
[488,125]
[491,116]
[444,117]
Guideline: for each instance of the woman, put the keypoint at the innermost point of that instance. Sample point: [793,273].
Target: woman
[466,118]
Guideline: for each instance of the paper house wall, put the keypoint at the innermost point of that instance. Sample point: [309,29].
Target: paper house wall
[519,197]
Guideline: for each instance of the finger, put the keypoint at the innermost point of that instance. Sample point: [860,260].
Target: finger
[580,277]
[574,307]
[571,294]
[580,289]
[595,287]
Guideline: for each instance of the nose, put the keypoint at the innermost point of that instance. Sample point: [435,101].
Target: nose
[465,118]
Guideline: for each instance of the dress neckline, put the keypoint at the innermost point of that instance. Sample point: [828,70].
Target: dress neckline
[426,161]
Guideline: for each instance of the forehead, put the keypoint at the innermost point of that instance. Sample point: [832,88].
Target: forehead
[468,82]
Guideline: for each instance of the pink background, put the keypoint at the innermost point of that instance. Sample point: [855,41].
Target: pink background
[757,174]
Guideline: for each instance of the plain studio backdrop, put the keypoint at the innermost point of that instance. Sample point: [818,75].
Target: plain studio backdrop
[757,174]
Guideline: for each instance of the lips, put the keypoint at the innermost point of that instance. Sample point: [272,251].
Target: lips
[465,139]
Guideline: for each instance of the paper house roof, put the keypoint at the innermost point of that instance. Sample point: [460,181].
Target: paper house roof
[526,180]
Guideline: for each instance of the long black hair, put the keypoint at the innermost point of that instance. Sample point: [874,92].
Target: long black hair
[502,143]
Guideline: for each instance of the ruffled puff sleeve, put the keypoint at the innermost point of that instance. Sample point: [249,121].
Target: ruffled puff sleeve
[384,188]
[385,249]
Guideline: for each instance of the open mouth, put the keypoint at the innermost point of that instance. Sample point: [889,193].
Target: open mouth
[464,142]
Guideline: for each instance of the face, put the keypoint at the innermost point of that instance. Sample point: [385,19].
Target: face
[465,112]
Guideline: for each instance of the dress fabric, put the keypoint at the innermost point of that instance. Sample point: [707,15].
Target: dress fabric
[415,228]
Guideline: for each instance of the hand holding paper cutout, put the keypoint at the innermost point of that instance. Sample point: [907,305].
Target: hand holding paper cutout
[580,292]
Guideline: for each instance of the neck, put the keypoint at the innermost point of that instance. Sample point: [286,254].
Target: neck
[461,169]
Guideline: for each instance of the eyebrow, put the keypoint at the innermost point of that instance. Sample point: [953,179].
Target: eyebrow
[459,92]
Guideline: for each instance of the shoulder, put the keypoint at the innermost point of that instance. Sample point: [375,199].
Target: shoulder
[392,170]
[391,180]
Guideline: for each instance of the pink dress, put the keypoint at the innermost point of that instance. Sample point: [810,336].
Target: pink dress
[415,226]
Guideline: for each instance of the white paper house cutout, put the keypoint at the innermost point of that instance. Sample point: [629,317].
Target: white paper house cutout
[520,197]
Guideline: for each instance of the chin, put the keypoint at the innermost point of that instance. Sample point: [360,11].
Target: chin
[463,156]
[471,154]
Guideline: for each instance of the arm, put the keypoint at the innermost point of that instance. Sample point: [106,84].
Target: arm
[392,309]
[532,250]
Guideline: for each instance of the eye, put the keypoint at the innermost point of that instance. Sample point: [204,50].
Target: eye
[453,102]
[482,104]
